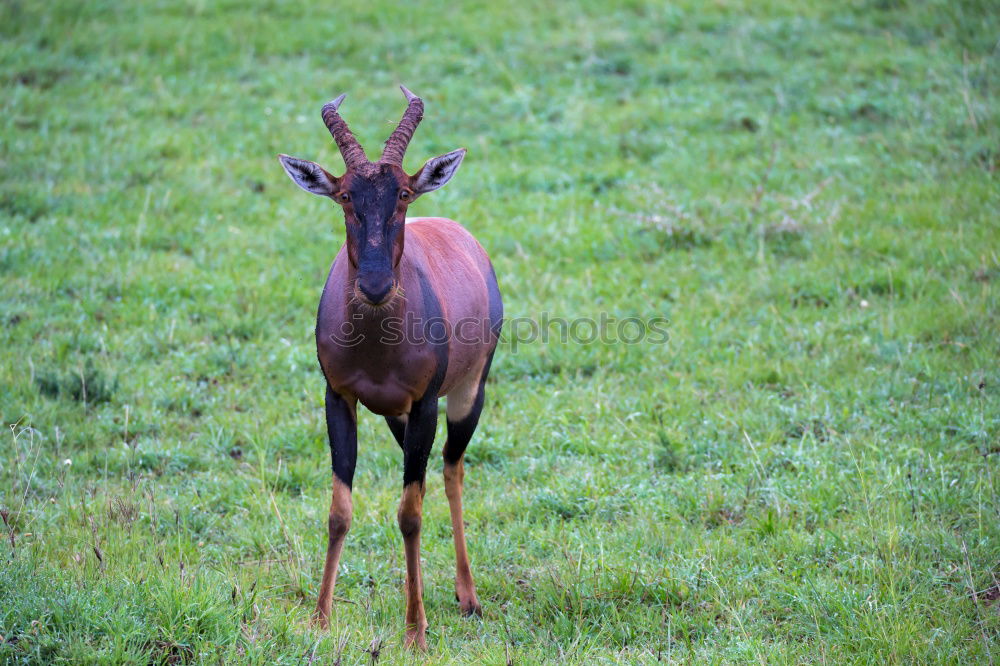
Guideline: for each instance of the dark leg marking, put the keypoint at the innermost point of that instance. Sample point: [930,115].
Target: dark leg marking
[419,438]
[460,432]
[342,428]
[398,428]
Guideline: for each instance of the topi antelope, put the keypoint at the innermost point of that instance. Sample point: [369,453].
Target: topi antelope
[393,333]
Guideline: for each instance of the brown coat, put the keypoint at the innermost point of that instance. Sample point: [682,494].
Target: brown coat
[388,358]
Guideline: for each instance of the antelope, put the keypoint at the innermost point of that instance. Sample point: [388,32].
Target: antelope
[393,333]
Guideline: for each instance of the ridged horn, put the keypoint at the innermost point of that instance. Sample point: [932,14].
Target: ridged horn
[352,152]
[395,146]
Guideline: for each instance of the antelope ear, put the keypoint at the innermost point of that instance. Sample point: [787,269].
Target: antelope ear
[436,172]
[310,176]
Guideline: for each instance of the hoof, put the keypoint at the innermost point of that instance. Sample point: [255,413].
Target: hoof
[471,608]
[416,639]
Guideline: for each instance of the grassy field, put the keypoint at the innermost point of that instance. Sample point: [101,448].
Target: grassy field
[806,472]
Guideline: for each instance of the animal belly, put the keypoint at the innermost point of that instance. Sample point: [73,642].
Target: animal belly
[385,383]
[385,398]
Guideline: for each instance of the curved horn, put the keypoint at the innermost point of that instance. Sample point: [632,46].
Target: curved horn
[395,146]
[352,152]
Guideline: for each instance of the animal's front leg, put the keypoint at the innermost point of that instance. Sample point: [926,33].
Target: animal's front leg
[342,427]
[417,443]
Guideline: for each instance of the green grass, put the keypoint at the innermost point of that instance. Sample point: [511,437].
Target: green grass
[807,472]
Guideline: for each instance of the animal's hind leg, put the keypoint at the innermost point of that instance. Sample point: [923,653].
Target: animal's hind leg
[397,424]
[465,403]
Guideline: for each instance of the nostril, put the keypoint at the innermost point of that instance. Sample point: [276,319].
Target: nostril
[375,290]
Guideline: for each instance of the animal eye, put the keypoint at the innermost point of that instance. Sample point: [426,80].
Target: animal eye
[343,197]
[404,195]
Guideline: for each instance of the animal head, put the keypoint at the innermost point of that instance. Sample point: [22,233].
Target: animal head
[374,195]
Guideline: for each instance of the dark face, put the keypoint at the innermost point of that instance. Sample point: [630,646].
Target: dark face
[374,203]
[374,196]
